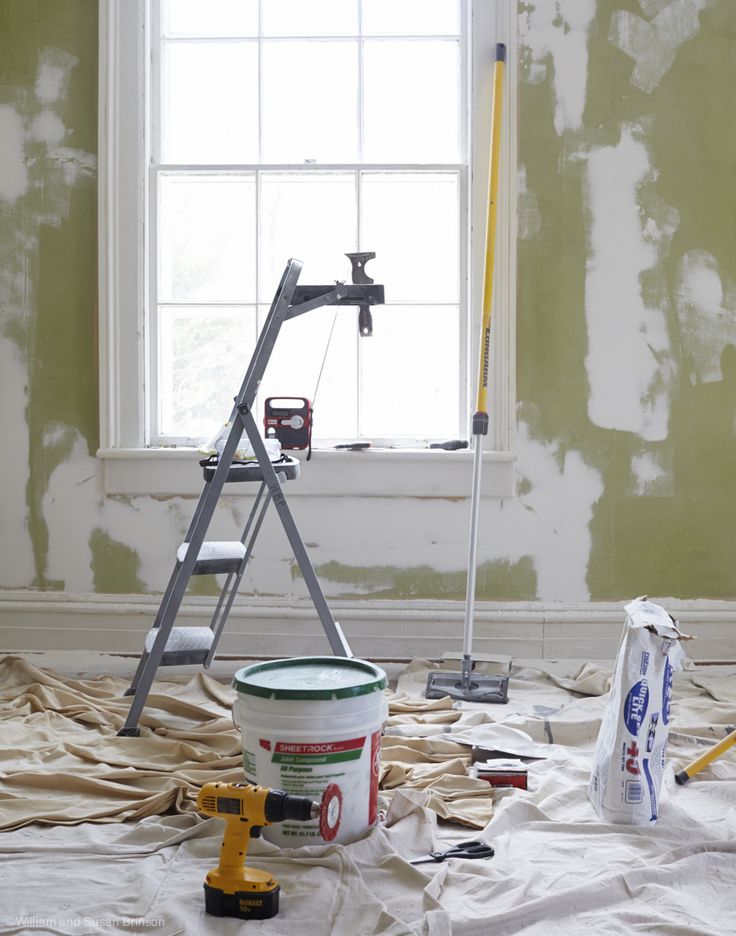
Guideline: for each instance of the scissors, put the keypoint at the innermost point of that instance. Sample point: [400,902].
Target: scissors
[473,849]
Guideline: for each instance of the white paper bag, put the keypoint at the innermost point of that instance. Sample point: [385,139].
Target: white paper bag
[629,757]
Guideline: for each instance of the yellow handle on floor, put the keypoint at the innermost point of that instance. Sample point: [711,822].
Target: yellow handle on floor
[710,755]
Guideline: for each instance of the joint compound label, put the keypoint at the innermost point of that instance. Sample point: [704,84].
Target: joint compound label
[335,752]
[306,768]
[629,758]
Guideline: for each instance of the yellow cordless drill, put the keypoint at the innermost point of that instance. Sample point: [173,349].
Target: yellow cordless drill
[232,889]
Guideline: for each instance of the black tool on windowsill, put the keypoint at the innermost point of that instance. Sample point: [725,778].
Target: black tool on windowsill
[353,446]
[451,446]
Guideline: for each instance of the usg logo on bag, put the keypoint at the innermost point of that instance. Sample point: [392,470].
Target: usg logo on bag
[635,706]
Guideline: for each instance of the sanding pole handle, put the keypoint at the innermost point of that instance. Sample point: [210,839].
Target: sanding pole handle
[710,755]
[480,417]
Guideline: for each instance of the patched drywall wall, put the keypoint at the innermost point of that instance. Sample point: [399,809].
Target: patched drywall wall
[626,300]
[626,334]
[48,129]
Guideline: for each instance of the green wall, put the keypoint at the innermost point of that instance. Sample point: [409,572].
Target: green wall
[660,515]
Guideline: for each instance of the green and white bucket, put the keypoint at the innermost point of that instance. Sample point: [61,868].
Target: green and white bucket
[309,722]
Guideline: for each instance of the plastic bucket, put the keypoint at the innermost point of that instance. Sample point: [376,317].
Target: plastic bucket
[310,722]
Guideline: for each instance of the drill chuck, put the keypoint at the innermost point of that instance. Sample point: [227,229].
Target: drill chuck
[280,806]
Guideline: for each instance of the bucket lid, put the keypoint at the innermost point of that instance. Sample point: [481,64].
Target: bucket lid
[310,678]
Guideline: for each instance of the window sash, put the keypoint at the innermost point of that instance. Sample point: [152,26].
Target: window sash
[158,385]
[126,234]
[159,44]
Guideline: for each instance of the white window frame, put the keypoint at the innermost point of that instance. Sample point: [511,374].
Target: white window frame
[124,245]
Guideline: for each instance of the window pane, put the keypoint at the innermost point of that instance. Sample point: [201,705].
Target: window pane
[409,368]
[310,216]
[209,102]
[411,221]
[411,102]
[210,18]
[296,361]
[204,356]
[413,17]
[310,18]
[207,238]
[310,101]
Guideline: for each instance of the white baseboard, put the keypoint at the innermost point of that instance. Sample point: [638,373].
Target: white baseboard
[393,630]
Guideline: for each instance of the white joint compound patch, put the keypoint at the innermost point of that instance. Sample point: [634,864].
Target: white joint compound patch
[70,510]
[529,219]
[16,554]
[653,46]
[629,363]
[652,472]
[52,78]
[47,127]
[551,523]
[706,309]
[73,506]
[557,31]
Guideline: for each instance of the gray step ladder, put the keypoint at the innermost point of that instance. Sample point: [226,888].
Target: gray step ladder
[166,645]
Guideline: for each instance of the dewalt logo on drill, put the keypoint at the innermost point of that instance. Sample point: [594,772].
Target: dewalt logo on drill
[250,904]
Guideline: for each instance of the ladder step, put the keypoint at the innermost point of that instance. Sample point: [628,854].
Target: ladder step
[186,645]
[287,469]
[215,557]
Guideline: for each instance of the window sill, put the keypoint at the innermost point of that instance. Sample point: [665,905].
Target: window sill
[372,473]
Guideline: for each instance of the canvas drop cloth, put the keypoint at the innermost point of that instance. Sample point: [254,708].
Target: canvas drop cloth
[101,834]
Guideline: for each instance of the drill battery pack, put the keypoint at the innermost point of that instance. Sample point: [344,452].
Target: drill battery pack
[244,905]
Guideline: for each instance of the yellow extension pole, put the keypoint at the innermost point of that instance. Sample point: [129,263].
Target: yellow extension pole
[480,417]
[490,257]
[710,755]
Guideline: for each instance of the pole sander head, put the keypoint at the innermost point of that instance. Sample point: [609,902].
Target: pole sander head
[481,689]
[466,685]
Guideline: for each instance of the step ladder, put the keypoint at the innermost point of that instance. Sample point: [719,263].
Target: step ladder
[166,645]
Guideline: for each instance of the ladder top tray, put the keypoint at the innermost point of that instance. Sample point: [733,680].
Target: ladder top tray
[285,466]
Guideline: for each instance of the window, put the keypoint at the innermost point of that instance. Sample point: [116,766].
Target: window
[238,133]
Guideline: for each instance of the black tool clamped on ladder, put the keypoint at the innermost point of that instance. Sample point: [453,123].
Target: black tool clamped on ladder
[167,645]
[365,320]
